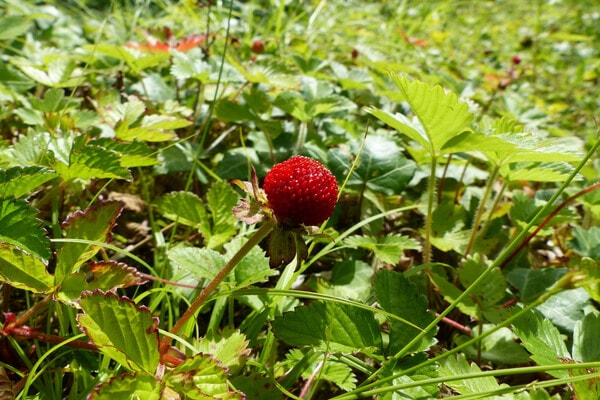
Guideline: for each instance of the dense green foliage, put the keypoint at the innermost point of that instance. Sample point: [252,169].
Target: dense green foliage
[461,261]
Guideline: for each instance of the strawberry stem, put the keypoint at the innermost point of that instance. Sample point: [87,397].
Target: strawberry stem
[259,235]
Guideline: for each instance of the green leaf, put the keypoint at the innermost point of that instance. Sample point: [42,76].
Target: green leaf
[185,66]
[229,346]
[20,227]
[326,368]
[451,293]
[86,161]
[122,330]
[12,26]
[153,128]
[329,327]
[416,390]
[586,347]
[382,167]
[531,283]
[201,377]
[397,295]
[201,263]
[591,283]
[103,275]
[350,279]
[137,63]
[22,181]
[542,340]
[94,224]
[499,347]
[23,270]
[58,71]
[253,268]
[489,292]
[185,208]
[230,111]
[131,154]
[458,365]
[536,172]
[565,308]
[586,242]
[220,199]
[440,116]
[389,249]
[129,386]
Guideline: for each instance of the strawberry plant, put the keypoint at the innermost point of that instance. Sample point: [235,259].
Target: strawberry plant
[306,200]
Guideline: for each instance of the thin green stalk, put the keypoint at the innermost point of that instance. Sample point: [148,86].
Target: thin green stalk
[429,216]
[481,208]
[259,235]
[494,206]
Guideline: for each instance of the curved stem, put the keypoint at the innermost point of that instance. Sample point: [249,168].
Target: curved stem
[259,235]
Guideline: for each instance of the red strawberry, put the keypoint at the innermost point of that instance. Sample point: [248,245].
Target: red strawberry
[301,191]
[258,47]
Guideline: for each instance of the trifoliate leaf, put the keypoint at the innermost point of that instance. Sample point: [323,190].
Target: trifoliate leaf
[439,116]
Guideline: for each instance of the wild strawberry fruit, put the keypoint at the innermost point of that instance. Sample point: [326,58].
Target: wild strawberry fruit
[300,191]
[258,47]
[516,60]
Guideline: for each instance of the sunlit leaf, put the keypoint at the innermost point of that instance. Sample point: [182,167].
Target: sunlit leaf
[201,377]
[201,263]
[86,161]
[21,182]
[439,115]
[103,275]
[122,330]
[129,386]
[12,26]
[389,249]
[94,224]
[22,270]
[228,346]
[185,208]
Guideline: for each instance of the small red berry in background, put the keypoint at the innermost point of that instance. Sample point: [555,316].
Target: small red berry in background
[516,60]
[258,47]
[354,53]
[301,191]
